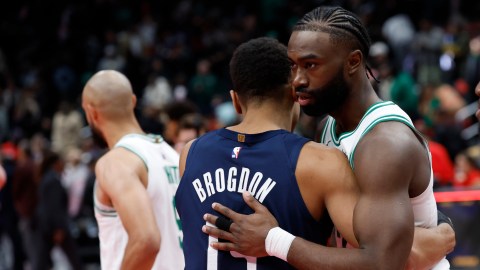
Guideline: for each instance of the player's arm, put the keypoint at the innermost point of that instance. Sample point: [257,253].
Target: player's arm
[119,176]
[327,183]
[430,246]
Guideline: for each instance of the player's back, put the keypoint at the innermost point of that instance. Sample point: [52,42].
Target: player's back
[161,162]
[219,167]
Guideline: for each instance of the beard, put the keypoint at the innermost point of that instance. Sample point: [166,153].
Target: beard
[98,138]
[327,98]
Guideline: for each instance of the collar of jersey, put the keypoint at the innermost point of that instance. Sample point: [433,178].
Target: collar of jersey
[250,138]
[342,136]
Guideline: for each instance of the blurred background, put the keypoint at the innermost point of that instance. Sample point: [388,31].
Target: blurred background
[425,53]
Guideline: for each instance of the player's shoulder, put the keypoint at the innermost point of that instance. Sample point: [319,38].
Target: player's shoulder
[118,159]
[330,159]
[391,136]
[320,151]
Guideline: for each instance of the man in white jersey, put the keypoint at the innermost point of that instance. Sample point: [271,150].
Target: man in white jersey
[328,48]
[136,182]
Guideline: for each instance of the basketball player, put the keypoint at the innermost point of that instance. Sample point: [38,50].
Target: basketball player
[390,159]
[136,182]
[287,173]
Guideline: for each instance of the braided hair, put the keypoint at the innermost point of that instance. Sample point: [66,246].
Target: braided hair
[343,26]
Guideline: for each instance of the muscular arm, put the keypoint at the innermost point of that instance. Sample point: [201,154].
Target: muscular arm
[119,176]
[383,218]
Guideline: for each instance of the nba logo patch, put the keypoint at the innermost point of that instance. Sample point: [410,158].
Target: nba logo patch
[236,152]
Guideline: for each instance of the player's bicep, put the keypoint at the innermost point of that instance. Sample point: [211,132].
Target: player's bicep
[383,217]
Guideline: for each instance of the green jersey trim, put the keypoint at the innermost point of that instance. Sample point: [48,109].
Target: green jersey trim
[144,160]
[386,118]
[344,135]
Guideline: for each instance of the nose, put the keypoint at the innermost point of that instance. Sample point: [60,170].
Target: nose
[299,78]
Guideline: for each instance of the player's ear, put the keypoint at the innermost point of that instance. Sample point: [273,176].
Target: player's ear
[134,101]
[354,61]
[236,101]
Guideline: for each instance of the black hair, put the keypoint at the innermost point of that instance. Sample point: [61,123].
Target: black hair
[341,25]
[260,68]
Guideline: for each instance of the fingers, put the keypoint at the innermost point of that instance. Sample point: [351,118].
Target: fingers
[217,233]
[252,202]
[229,213]
[223,246]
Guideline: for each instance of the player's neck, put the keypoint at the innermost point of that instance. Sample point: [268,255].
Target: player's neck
[115,131]
[349,115]
[264,118]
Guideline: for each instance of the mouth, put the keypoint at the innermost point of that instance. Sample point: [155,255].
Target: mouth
[303,98]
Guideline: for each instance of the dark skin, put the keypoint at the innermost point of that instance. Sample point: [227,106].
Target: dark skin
[383,217]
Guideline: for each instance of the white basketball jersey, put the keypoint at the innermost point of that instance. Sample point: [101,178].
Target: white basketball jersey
[424,205]
[161,162]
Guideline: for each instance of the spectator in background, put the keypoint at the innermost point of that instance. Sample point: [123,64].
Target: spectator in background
[454,48]
[426,47]
[477,92]
[74,179]
[399,32]
[442,164]
[24,193]
[472,67]
[467,170]
[191,126]
[399,87]
[203,86]
[446,130]
[51,215]
[66,126]
[3,177]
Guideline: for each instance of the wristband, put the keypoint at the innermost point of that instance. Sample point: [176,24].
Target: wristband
[278,243]
[442,218]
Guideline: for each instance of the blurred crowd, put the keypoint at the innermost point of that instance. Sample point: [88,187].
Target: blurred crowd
[425,56]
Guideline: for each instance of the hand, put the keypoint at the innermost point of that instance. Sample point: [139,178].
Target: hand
[247,232]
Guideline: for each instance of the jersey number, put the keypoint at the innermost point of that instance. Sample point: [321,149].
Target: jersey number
[212,255]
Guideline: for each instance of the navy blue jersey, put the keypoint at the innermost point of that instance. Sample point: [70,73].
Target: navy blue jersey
[219,167]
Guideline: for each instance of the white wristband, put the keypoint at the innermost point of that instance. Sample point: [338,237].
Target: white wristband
[278,243]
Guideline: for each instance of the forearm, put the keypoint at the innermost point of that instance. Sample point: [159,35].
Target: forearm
[139,255]
[430,246]
[307,255]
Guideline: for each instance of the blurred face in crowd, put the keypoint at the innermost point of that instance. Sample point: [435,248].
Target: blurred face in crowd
[317,67]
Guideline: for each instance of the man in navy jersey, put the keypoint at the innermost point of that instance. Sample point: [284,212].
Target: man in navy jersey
[327,49]
[287,173]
